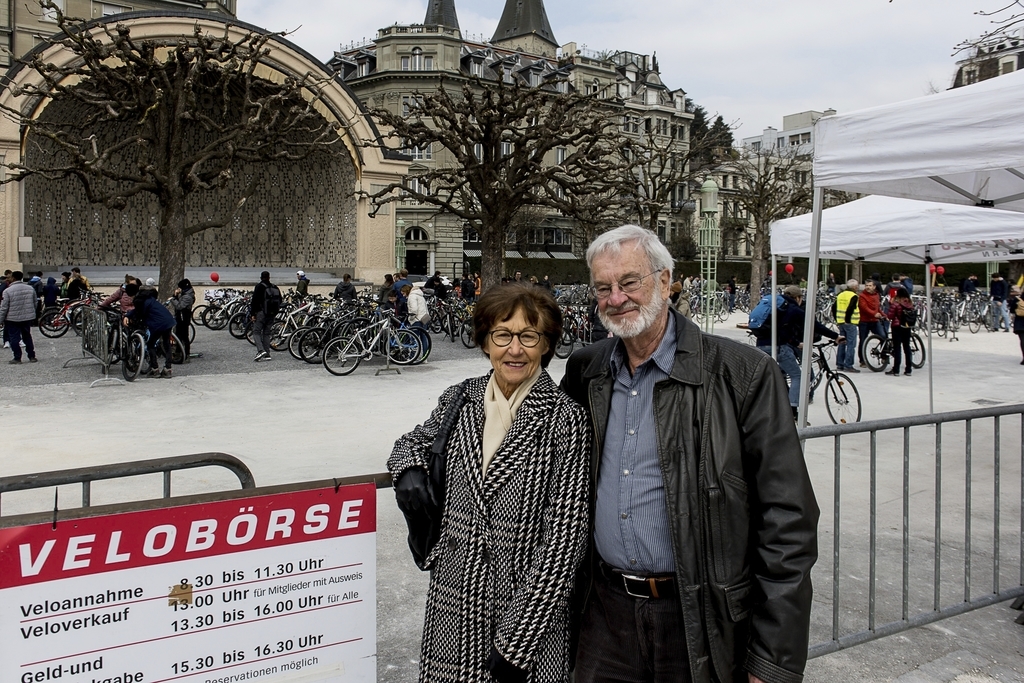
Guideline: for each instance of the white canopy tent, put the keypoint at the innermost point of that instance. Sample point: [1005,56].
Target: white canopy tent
[962,146]
[893,230]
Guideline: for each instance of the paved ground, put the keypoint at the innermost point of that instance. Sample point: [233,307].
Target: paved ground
[293,422]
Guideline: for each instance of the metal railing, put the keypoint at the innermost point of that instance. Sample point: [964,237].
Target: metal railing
[940,477]
[86,475]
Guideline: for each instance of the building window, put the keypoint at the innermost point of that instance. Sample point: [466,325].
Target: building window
[560,154]
[470,235]
[478,151]
[423,153]
[970,76]
[559,237]
[535,236]
[51,15]
[756,146]
[363,69]
[417,59]
[107,10]
[506,149]
[405,63]
[595,87]
[801,177]
[416,184]
[1006,68]
[476,68]
[416,234]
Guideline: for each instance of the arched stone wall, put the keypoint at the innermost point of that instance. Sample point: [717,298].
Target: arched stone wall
[307,214]
[302,213]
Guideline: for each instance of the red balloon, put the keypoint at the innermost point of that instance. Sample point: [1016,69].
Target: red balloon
[214,277]
[940,270]
[931,267]
[789,268]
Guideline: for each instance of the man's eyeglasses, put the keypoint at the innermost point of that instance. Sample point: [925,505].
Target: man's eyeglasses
[527,338]
[627,285]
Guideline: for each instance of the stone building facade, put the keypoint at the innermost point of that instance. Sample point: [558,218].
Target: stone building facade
[408,58]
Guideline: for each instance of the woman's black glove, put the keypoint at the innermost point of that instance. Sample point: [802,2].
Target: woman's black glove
[503,670]
[411,490]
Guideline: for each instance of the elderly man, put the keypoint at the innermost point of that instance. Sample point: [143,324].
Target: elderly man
[704,521]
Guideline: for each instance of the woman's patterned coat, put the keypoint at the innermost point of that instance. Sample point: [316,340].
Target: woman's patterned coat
[503,570]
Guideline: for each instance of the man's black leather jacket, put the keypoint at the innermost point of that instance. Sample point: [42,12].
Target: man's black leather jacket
[740,504]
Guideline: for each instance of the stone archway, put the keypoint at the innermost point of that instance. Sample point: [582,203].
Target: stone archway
[307,215]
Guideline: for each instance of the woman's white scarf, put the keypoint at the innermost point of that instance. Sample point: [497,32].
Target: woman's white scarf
[499,413]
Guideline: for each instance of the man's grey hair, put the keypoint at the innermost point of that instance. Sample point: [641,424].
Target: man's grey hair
[613,240]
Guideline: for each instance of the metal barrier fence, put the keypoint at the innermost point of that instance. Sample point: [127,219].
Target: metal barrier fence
[86,475]
[941,478]
[96,340]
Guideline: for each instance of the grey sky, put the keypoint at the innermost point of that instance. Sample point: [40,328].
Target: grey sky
[752,61]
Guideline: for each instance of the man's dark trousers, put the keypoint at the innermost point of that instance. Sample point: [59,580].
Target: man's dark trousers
[16,331]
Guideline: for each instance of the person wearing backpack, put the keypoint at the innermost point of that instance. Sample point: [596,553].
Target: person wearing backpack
[266,302]
[902,317]
[759,323]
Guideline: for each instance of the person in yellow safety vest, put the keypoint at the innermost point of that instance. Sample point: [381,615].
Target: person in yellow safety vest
[848,319]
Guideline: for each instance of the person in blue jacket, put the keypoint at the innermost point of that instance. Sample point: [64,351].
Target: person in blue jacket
[159,321]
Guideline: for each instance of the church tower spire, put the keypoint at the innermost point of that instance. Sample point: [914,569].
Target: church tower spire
[441,13]
[524,26]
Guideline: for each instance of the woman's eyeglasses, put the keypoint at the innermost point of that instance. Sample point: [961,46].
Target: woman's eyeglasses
[527,338]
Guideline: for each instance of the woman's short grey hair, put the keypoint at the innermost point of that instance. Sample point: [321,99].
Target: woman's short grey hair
[612,241]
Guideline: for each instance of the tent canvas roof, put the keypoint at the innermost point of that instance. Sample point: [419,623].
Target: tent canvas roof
[961,146]
[893,230]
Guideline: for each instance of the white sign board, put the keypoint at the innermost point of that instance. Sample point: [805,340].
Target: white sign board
[269,588]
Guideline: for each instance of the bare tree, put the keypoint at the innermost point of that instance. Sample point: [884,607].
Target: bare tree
[501,139]
[1007,16]
[185,113]
[662,169]
[772,184]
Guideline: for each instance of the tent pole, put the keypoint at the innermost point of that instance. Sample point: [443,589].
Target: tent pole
[928,326]
[809,305]
[775,327]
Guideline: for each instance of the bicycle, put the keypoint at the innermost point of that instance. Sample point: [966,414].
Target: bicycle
[55,321]
[878,352]
[343,355]
[842,400]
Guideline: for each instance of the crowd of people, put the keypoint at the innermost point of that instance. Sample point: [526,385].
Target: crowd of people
[23,298]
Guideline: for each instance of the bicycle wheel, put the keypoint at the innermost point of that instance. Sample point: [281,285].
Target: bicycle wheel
[76,319]
[293,342]
[279,335]
[565,344]
[917,351]
[341,356]
[52,324]
[131,364]
[467,335]
[723,311]
[842,400]
[436,324]
[216,318]
[974,325]
[239,324]
[177,350]
[311,346]
[191,331]
[875,353]
[403,347]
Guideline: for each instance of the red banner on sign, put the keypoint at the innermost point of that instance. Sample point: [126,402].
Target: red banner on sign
[136,539]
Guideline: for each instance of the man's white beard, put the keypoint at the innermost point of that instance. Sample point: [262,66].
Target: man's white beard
[649,313]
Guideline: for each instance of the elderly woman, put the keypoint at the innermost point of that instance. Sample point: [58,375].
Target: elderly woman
[515,514]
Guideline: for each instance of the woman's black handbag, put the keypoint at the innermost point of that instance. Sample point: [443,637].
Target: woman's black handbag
[421,495]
